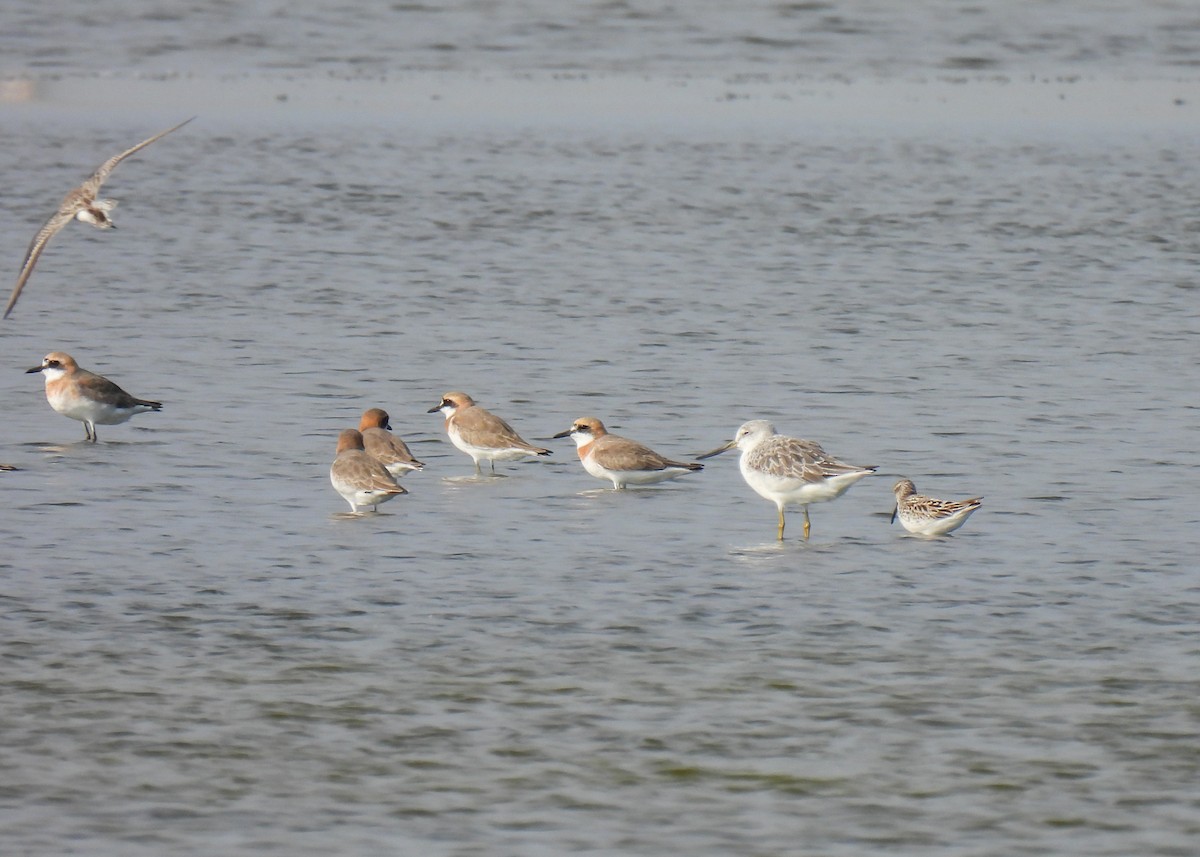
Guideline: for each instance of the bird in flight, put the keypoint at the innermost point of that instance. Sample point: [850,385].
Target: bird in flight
[80,204]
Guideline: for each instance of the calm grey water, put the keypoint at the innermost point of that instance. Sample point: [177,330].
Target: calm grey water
[717,212]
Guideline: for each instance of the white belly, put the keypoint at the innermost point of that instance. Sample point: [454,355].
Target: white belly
[621,478]
[87,410]
[488,453]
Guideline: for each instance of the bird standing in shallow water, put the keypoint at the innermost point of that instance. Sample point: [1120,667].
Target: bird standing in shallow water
[379,442]
[928,516]
[360,479]
[85,396]
[789,470]
[624,461]
[481,434]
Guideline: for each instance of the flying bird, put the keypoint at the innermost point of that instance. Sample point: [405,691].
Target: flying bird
[80,204]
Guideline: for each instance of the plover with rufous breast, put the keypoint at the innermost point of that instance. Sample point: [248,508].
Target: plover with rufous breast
[85,396]
[481,434]
[379,442]
[619,459]
[360,479]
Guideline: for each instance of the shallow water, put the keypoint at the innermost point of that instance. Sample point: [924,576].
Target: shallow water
[202,651]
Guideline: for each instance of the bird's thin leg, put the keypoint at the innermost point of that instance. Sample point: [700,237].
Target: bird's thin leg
[780,536]
[806,524]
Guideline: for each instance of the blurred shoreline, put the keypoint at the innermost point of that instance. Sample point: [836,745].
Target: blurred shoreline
[999,105]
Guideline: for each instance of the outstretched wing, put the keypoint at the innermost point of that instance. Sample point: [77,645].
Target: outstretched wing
[92,186]
[51,228]
[74,202]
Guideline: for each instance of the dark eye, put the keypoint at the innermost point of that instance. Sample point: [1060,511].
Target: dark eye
[53,364]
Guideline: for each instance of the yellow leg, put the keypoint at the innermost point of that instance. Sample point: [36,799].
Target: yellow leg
[806,524]
[780,523]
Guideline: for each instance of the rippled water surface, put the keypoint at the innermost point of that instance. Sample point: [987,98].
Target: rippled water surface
[697,37]
[202,653]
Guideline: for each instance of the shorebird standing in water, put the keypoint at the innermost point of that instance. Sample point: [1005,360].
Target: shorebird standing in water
[80,204]
[787,470]
[360,479]
[481,434]
[379,443]
[620,459]
[85,396]
[929,516]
